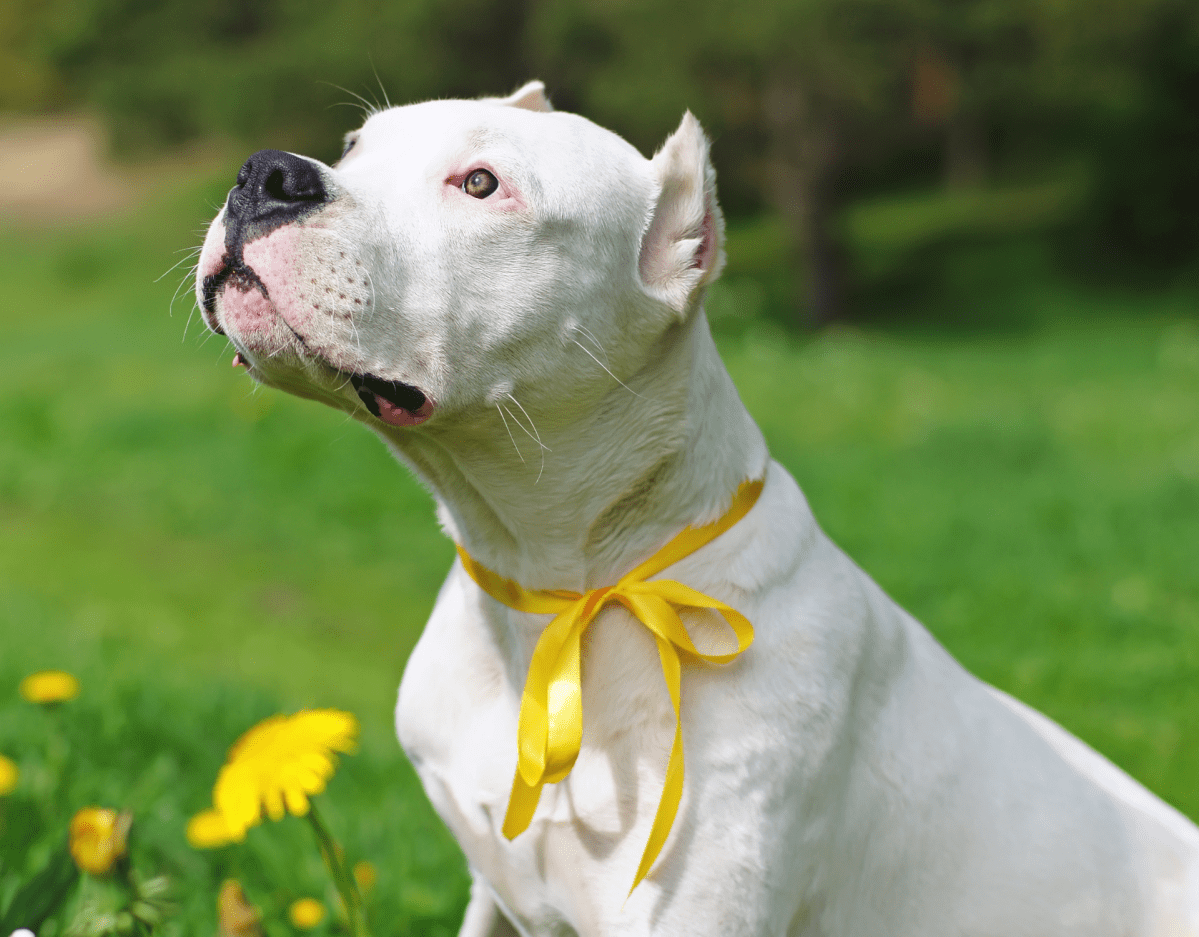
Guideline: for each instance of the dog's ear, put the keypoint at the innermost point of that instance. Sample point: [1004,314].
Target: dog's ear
[530,96]
[682,250]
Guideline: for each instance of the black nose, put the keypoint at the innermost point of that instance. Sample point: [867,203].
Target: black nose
[273,188]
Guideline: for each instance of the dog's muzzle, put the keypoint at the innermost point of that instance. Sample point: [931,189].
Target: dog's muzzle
[273,189]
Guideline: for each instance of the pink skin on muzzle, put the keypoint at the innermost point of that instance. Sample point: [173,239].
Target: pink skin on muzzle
[276,260]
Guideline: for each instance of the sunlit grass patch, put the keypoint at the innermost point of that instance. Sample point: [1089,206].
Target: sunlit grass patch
[151,748]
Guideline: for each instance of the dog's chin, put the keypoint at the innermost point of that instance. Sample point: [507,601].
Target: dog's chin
[392,402]
[395,403]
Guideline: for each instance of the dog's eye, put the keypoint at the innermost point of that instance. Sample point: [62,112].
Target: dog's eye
[349,146]
[480,184]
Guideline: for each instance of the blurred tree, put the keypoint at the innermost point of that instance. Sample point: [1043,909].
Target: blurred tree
[1136,87]
[483,44]
[973,58]
[811,104]
[792,91]
[265,71]
[29,79]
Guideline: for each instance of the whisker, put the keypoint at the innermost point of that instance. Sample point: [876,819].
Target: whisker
[354,321]
[174,296]
[605,367]
[595,341]
[500,408]
[368,108]
[386,99]
[357,338]
[187,325]
[534,435]
[192,251]
[344,384]
[356,334]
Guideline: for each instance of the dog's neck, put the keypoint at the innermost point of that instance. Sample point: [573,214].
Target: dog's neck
[666,449]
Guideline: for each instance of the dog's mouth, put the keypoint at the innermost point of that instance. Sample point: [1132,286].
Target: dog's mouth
[393,402]
[241,276]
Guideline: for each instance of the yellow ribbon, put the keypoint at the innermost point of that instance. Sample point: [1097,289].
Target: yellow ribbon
[550,729]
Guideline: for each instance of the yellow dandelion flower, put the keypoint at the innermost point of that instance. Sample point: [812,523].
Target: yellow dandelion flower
[306,913]
[98,838]
[8,775]
[365,874]
[49,686]
[274,767]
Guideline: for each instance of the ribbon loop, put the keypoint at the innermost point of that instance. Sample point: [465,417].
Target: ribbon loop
[550,726]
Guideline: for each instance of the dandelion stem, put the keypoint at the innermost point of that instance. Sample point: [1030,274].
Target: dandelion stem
[342,878]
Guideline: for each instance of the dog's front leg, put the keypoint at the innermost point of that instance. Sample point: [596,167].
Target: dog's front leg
[483,917]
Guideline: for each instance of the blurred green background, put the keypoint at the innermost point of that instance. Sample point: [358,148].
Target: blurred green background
[962,300]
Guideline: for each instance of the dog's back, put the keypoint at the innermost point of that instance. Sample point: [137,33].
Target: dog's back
[1167,839]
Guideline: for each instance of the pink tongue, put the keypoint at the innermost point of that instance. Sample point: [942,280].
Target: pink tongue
[399,416]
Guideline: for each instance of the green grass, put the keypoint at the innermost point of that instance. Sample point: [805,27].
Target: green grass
[153,745]
[203,554]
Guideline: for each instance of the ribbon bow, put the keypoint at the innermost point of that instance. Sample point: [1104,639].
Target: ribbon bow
[550,730]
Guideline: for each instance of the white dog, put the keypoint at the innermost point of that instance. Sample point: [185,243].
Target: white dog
[511,297]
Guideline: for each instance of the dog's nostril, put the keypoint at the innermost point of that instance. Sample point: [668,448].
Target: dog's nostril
[279,177]
[273,189]
[276,186]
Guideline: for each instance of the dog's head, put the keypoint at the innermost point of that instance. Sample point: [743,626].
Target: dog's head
[453,254]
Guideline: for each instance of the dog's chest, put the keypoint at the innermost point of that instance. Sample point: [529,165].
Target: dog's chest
[457,719]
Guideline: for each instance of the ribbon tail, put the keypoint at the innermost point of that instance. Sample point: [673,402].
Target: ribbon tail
[550,728]
[522,803]
[564,708]
[549,702]
[672,790]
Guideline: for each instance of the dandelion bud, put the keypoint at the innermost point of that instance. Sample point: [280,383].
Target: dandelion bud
[98,838]
[49,686]
[9,776]
[306,913]
[365,874]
